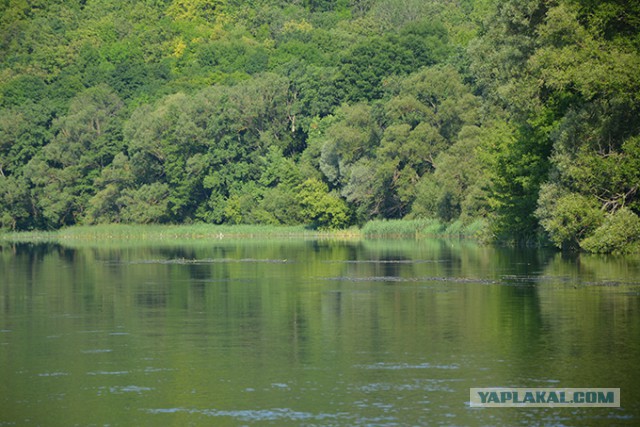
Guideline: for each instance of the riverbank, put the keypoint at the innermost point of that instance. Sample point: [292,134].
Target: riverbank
[117,232]
[373,229]
[477,230]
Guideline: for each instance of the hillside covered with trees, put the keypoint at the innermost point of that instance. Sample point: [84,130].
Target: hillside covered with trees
[522,113]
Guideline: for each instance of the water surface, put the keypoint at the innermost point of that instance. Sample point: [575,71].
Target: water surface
[307,332]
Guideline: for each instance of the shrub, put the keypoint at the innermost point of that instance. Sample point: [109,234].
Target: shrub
[567,217]
[620,233]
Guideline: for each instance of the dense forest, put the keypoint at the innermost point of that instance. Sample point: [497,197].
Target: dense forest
[522,113]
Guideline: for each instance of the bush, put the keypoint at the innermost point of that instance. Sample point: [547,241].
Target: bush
[620,233]
[567,217]
[323,209]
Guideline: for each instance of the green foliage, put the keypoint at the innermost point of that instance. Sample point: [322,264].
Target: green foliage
[397,228]
[517,116]
[321,209]
[21,89]
[477,229]
[367,65]
[376,156]
[567,217]
[619,233]
[188,10]
[516,151]
[24,130]
[459,186]
[14,204]
[433,228]
[518,170]
[584,72]
[144,205]
[424,227]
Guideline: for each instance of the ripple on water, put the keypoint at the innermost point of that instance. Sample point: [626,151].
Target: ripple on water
[151,369]
[274,414]
[129,389]
[280,386]
[53,374]
[398,366]
[108,373]
[97,351]
[428,385]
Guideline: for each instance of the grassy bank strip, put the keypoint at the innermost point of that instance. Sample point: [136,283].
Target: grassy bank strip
[477,229]
[373,229]
[121,232]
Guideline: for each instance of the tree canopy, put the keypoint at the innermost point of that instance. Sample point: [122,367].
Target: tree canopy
[522,113]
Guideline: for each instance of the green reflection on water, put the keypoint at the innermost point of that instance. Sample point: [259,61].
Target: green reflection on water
[309,332]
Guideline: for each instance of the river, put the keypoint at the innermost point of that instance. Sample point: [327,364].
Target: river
[304,332]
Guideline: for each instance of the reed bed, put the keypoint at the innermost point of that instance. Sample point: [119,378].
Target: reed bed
[477,229]
[122,232]
[417,228]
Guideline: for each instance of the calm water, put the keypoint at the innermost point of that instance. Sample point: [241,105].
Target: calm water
[306,333]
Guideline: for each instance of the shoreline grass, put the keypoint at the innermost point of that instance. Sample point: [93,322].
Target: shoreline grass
[477,230]
[156,232]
